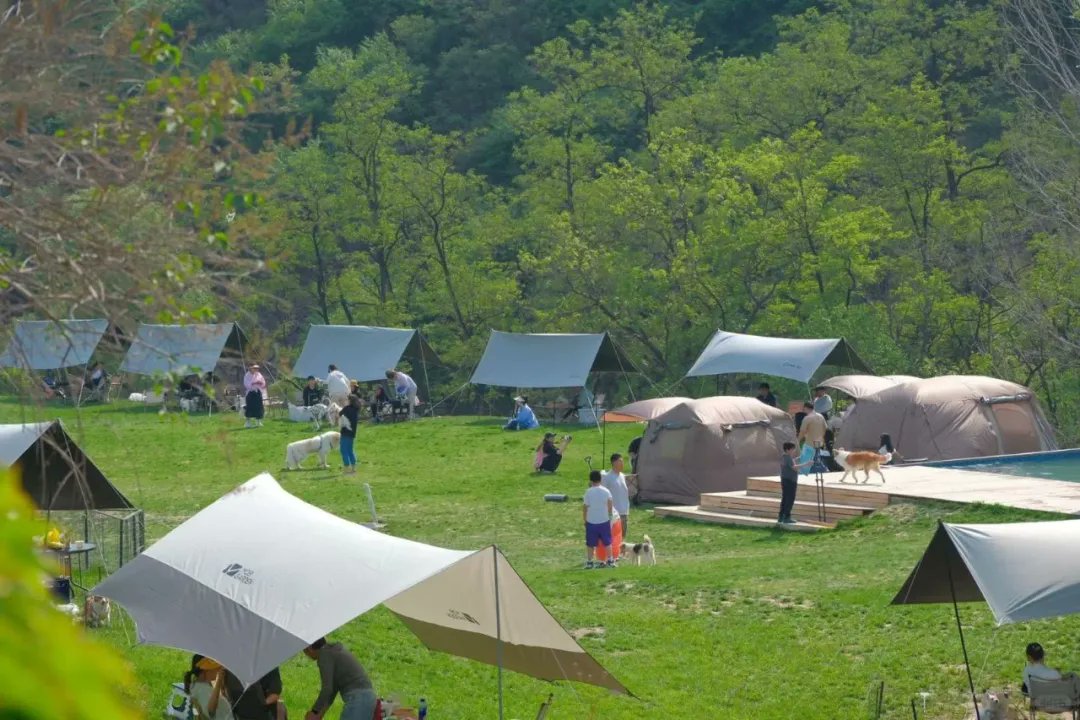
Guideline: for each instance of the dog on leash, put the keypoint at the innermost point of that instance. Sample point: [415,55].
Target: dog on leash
[852,462]
[638,553]
[97,611]
[297,452]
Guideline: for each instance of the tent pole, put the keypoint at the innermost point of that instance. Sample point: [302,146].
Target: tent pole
[498,627]
[960,629]
[423,363]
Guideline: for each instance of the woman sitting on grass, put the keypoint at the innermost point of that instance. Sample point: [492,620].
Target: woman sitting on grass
[548,454]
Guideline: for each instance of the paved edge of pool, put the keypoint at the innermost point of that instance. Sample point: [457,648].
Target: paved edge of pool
[1004,459]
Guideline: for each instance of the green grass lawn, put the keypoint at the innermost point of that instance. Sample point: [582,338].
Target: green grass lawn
[731,623]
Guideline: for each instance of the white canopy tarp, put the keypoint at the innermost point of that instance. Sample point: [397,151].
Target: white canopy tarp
[363,353]
[1024,571]
[180,348]
[796,359]
[53,344]
[547,360]
[259,574]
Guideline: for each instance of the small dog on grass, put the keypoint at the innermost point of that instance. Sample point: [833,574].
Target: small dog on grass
[97,611]
[852,462]
[638,553]
[297,452]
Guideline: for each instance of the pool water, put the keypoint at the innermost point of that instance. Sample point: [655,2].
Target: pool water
[1054,465]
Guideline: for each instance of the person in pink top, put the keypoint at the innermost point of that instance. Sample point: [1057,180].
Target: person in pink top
[255,389]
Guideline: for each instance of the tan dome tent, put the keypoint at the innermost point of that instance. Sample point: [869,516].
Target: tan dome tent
[710,445]
[950,417]
[859,386]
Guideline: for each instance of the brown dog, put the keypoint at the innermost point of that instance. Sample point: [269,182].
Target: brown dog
[862,460]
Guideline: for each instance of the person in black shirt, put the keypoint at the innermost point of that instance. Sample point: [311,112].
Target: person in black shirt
[765,395]
[551,454]
[258,702]
[312,393]
[349,422]
[633,450]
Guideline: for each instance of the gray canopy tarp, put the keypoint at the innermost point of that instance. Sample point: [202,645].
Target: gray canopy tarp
[1024,571]
[547,360]
[181,348]
[53,344]
[56,473]
[363,353]
[796,359]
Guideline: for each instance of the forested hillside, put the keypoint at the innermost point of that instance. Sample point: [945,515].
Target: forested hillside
[901,172]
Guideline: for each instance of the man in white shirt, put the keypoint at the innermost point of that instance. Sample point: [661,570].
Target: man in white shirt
[405,387]
[596,511]
[338,387]
[615,482]
[822,402]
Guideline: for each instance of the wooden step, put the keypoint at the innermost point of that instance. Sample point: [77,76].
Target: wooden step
[805,506]
[870,496]
[694,512]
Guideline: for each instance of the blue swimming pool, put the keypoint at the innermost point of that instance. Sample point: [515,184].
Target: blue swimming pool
[1053,465]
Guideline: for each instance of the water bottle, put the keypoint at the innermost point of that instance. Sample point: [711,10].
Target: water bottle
[423,709]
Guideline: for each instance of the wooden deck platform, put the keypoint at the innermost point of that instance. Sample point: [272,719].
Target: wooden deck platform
[758,505]
[947,484]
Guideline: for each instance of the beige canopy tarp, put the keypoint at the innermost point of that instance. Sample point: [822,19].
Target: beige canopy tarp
[250,581]
[949,417]
[643,410]
[710,445]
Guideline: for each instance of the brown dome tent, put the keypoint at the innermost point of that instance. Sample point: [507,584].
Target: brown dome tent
[950,417]
[710,445]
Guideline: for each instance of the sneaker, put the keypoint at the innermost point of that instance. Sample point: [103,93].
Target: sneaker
[789,521]
[589,565]
[609,563]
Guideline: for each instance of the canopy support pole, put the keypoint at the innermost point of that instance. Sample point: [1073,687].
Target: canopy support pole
[423,364]
[498,629]
[960,629]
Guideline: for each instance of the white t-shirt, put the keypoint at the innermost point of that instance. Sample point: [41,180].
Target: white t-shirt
[615,482]
[337,384]
[404,384]
[201,691]
[1040,671]
[596,500]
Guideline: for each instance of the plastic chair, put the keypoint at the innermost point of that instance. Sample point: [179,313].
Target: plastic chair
[1055,697]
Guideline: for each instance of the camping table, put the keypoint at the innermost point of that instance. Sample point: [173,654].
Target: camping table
[80,551]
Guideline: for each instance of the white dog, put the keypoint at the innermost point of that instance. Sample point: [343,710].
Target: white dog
[639,552]
[97,611]
[297,452]
[314,413]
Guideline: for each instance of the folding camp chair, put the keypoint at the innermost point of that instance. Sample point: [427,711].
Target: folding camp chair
[1055,697]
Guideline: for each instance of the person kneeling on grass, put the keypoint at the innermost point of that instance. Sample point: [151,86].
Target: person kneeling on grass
[341,673]
[597,510]
[548,454]
[789,481]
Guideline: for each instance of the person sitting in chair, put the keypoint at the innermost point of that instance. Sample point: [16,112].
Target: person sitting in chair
[205,683]
[548,454]
[189,387]
[312,393]
[97,377]
[54,386]
[378,402]
[1035,667]
[524,418]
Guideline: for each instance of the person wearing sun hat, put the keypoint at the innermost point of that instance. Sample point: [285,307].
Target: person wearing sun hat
[255,387]
[205,683]
[524,418]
